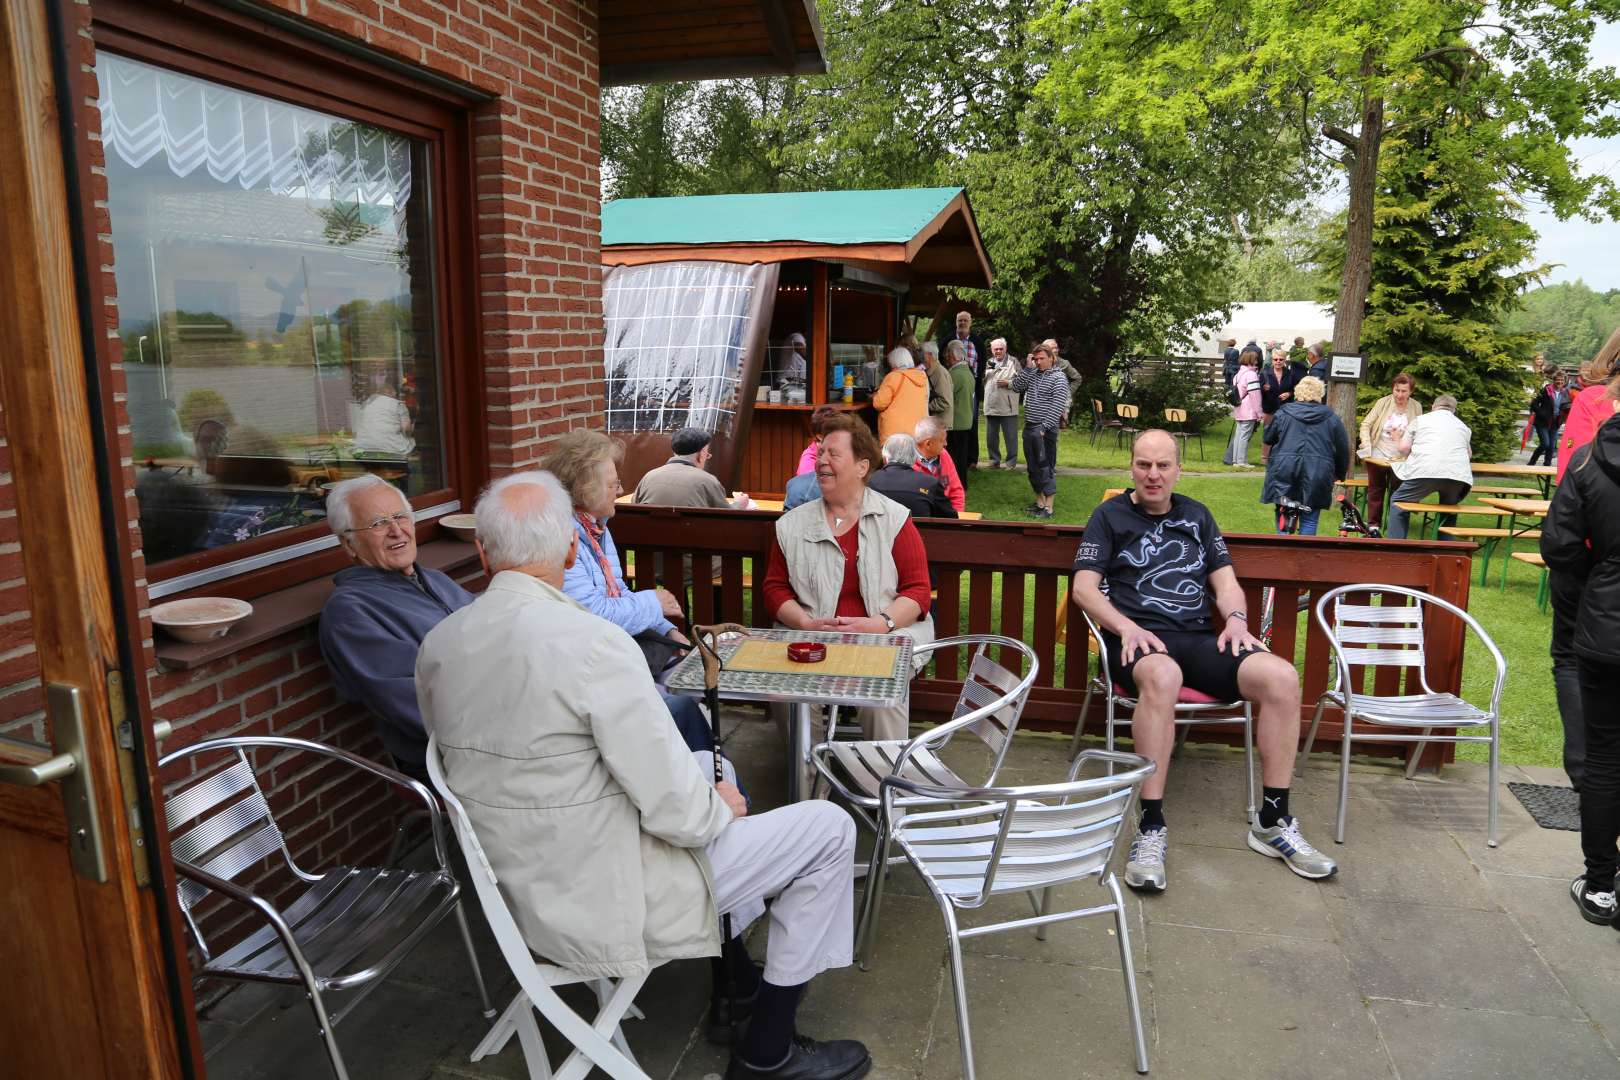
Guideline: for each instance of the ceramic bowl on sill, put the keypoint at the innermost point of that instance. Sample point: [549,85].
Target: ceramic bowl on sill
[201,618]
[460,526]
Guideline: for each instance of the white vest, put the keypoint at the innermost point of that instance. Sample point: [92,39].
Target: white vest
[815,561]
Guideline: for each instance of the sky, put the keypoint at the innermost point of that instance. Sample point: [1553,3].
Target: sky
[1587,249]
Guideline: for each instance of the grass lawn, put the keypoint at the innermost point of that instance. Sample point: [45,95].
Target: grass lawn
[1531,732]
[1075,450]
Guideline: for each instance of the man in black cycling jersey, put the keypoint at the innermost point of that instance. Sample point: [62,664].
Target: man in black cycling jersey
[1149,566]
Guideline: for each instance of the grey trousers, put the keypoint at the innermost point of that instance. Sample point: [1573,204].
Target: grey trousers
[802,858]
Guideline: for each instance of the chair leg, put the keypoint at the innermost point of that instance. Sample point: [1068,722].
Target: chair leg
[1416,754]
[604,993]
[472,959]
[1128,965]
[1080,721]
[1248,759]
[517,1019]
[324,1025]
[1344,778]
[876,875]
[1310,739]
[959,990]
[1041,908]
[1181,739]
[1495,776]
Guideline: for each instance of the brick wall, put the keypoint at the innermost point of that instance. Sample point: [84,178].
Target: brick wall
[536,190]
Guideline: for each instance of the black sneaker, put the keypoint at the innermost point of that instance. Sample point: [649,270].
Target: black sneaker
[1043,512]
[1595,907]
[808,1059]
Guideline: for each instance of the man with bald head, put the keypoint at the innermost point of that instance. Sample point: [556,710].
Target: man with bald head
[613,844]
[1153,572]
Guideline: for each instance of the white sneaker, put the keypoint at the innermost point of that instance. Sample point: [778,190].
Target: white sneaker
[1144,869]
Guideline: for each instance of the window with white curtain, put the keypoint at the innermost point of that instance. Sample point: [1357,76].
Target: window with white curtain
[275,305]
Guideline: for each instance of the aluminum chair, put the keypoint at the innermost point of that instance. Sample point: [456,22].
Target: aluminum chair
[972,844]
[1386,635]
[1193,707]
[989,706]
[349,926]
[597,1044]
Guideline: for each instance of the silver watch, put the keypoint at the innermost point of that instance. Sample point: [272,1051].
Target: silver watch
[887,621]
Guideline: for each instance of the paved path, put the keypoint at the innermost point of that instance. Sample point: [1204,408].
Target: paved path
[1430,956]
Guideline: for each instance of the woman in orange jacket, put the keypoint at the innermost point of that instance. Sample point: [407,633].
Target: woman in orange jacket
[902,399]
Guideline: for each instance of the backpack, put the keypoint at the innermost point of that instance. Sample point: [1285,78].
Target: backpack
[1233,397]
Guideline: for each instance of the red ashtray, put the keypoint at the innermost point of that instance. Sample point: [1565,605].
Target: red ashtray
[807,652]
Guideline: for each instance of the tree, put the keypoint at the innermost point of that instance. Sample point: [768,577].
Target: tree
[1568,321]
[1449,257]
[1278,261]
[1338,75]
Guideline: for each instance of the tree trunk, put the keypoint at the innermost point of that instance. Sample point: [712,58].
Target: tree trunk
[1357,277]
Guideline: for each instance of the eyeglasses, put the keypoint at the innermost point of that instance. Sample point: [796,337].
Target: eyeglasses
[402,519]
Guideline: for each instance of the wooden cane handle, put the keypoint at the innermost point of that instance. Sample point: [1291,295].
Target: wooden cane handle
[706,639]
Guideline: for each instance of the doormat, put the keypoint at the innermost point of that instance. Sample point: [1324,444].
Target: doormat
[1553,807]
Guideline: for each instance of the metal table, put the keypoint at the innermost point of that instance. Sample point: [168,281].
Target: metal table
[801,691]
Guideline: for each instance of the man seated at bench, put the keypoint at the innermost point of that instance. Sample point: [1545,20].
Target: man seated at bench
[1438,449]
[612,844]
[1148,566]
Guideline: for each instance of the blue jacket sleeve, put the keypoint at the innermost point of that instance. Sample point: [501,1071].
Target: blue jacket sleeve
[632,612]
[376,668]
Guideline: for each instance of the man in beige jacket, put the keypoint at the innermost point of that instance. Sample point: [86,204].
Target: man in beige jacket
[615,850]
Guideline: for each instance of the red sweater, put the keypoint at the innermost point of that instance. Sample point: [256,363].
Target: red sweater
[910,560]
[945,469]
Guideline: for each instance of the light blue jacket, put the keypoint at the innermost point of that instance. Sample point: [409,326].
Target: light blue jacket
[633,612]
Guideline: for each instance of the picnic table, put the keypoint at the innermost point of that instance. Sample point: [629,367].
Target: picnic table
[1432,513]
[849,677]
[1541,474]
[1524,520]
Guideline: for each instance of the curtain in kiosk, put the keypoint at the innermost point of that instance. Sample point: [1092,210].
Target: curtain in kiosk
[679,338]
[255,142]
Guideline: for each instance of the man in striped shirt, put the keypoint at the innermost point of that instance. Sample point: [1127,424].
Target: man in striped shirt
[1046,403]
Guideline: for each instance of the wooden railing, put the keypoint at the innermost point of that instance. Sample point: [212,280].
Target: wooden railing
[1007,577]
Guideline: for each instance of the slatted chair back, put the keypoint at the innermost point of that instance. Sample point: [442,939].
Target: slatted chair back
[222,824]
[985,684]
[1382,635]
[977,843]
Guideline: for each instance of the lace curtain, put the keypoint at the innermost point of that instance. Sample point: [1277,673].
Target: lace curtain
[247,140]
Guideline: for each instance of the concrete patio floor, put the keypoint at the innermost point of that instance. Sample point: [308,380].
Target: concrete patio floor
[1430,955]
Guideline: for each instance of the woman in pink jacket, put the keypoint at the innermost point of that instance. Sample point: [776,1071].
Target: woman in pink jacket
[1246,415]
[1592,406]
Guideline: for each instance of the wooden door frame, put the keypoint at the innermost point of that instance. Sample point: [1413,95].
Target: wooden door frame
[86,629]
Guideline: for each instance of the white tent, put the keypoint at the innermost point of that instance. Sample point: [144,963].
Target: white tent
[1279,320]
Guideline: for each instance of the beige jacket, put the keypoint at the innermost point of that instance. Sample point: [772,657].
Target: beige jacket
[1374,422]
[592,811]
[815,561]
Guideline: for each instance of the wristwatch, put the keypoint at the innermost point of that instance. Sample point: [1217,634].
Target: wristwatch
[884,615]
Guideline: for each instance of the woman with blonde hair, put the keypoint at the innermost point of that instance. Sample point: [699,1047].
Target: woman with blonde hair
[1310,451]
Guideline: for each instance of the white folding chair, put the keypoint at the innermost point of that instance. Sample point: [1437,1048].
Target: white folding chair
[989,706]
[599,1043]
[1390,635]
[1192,707]
[972,844]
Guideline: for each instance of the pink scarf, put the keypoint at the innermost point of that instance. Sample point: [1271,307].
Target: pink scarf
[593,536]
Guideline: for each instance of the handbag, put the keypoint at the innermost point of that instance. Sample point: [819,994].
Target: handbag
[659,650]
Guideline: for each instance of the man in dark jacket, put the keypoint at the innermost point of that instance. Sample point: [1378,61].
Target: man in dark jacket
[375,620]
[1229,360]
[922,494]
[1310,451]
[1581,539]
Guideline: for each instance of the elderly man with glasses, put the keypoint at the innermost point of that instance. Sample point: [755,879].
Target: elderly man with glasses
[380,610]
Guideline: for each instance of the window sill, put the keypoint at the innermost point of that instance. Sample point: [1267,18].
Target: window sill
[288,609]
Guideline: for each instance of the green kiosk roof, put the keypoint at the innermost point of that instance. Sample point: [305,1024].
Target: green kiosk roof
[893,216]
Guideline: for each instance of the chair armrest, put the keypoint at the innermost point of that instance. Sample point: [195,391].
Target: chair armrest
[280,742]
[268,911]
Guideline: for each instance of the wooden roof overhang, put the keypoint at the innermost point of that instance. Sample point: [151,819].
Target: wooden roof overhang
[655,41]
[945,252]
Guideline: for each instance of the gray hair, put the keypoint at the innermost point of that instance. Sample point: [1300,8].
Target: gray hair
[900,358]
[930,349]
[517,529]
[1310,388]
[928,427]
[998,341]
[1445,401]
[955,348]
[900,449]
[339,518]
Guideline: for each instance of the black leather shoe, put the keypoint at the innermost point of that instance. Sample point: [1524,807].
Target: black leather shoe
[808,1059]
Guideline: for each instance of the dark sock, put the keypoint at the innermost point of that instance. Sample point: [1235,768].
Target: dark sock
[769,1037]
[1273,806]
[1152,814]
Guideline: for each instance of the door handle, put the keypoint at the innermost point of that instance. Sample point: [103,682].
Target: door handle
[65,706]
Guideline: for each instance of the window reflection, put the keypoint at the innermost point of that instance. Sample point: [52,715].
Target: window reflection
[275,300]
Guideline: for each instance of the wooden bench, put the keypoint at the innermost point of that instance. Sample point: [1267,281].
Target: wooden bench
[1432,512]
[1511,492]
[1492,538]
[1534,558]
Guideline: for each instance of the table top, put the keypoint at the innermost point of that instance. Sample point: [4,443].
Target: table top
[1532,557]
[1453,508]
[1513,469]
[1527,507]
[891,689]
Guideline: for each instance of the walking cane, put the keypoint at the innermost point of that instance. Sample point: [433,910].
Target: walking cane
[706,639]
